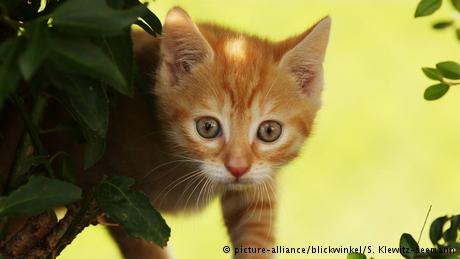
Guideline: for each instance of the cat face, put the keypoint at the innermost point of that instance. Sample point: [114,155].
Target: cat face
[239,106]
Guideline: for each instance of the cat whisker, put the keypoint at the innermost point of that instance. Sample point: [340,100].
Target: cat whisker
[176,183]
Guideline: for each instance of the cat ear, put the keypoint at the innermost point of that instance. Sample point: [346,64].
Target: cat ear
[304,60]
[182,44]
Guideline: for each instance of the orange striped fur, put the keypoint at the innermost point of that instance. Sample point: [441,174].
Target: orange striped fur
[241,81]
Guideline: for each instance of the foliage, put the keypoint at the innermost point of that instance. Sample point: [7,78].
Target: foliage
[131,209]
[446,73]
[76,54]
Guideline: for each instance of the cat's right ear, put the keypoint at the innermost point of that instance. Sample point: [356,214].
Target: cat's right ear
[182,44]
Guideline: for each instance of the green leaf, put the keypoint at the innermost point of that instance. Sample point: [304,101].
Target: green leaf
[86,100]
[457,33]
[9,71]
[95,17]
[450,235]
[432,73]
[37,49]
[427,7]
[30,162]
[442,24]
[37,195]
[132,209]
[68,169]
[435,92]
[120,50]
[456,221]
[436,229]
[356,256]
[456,4]
[151,21]
[81,56]
[94,150]
[449,69]
[408,246]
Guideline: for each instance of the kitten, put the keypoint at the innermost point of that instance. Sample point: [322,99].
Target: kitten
[230,109]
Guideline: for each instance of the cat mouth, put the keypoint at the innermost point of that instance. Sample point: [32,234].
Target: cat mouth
[238,185]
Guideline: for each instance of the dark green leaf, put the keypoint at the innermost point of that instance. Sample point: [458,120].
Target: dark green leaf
[450,235]
[86,99]
[436,229]
[456,221]
[442,24]
[432,73]
[449,69]
[427,7]
[94,150]
[408,246]
[37,49]
[81,56]
[132,209]
[9,71]
[456,4]
[30,162]
[120,50]
[68,169]
[95,17]
[37,195]
[356,256]
[151,20]
[435,92]
[457,32]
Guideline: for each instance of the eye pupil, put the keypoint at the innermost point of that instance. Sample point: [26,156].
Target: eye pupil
[208,127]
[269,131]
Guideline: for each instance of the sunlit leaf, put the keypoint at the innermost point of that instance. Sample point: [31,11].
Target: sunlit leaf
[427,7]
[432,73]
[435,92]
[449,69]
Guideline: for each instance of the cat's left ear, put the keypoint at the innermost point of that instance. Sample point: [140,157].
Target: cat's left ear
[304,59]
[182,44]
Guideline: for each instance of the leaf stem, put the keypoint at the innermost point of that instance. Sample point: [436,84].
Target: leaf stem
[31,124]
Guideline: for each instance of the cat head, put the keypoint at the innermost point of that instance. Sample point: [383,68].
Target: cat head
[238,105]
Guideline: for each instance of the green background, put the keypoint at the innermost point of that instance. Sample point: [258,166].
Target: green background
[380,155]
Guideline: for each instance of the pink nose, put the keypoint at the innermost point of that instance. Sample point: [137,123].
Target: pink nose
[237,171]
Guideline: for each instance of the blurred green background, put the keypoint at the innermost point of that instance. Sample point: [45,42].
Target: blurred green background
[380,155]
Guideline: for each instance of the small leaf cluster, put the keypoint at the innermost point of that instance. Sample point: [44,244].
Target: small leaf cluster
[444,71]
[444,236]
[74,56]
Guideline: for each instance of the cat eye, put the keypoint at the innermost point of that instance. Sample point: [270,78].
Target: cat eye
[208,127]
[269,131]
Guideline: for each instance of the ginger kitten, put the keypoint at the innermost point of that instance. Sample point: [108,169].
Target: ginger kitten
[230,110]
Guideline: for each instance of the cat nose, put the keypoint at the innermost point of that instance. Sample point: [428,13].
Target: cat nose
[237,162]
[237,171]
